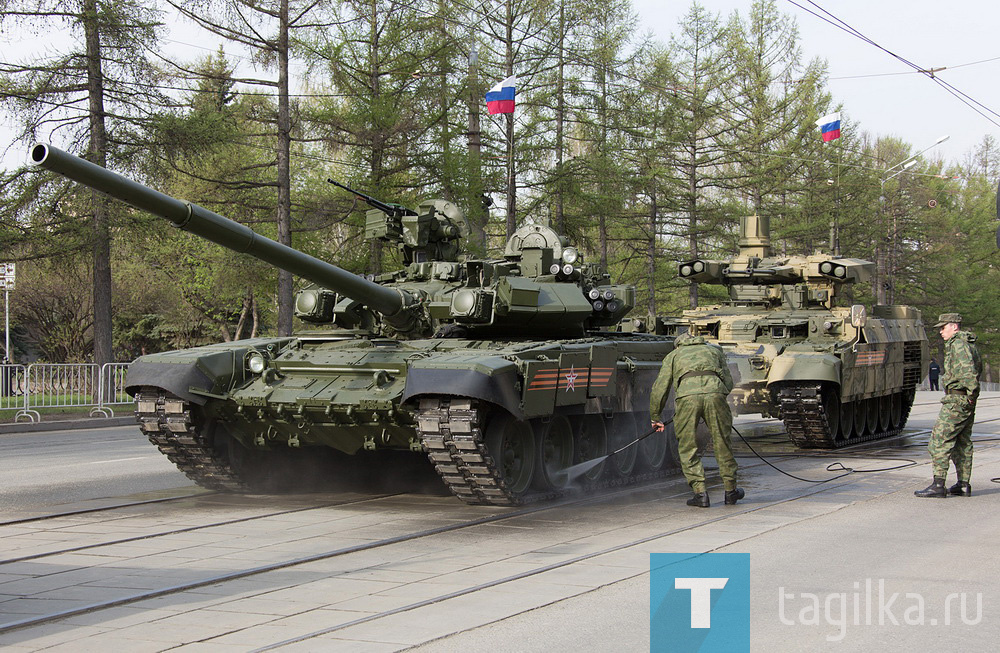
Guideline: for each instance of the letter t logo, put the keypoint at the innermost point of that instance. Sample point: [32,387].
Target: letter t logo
[701,597]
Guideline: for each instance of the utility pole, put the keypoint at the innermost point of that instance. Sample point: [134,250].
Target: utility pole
[8,273]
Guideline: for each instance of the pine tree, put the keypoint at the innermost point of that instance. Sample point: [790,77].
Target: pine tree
[97,94]
[270,31]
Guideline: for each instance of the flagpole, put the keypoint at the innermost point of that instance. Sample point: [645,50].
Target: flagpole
[836,202]
[511,182]
[829,126]
[500,99]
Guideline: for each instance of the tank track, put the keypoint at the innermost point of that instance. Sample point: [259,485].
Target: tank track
[168,423]
[805,419]
[451,431]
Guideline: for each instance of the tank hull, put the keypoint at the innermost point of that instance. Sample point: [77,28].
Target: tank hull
[832,382]
[498,420]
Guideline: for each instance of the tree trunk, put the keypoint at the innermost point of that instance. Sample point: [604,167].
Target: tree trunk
[284,175]
[560,111]
[100,218]
[478,213]
[511,178]
[651,252]
[693,215]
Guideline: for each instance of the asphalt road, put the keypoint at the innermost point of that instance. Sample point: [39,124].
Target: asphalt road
[859,564]
[64,470]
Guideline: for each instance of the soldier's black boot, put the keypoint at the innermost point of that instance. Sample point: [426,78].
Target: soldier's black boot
[935,489]
[699,500]
[732,496]
[961,489]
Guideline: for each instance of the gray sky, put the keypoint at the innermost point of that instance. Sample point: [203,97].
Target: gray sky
[867,81]
[928,33]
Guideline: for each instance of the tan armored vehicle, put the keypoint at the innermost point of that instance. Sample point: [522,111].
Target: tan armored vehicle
[834,375]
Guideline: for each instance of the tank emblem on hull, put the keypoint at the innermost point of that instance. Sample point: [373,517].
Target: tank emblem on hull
[571,377]
[570,380]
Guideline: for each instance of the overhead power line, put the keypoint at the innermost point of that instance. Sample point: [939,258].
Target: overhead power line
[840,24]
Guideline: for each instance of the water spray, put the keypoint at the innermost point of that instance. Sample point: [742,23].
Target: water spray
[572,473]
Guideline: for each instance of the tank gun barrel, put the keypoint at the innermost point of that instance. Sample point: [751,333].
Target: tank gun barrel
[223,231]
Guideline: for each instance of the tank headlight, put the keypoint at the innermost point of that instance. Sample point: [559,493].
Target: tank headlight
[686,271]
[570,255]
[306,302]
[840,271]
[315,305]
[256,362]
[826,267]
[464,302]
[555,268]
[698,266]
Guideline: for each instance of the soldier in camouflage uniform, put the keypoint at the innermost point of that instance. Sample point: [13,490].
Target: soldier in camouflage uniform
[951,438]
[702,380]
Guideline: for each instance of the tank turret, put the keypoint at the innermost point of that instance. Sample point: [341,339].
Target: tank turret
[835,375]
[757,276]
[541,287]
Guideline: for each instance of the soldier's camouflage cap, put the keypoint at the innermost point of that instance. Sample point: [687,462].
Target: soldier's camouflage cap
[948,318]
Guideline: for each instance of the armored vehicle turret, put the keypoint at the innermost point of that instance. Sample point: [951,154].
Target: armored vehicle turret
[502,371]
[834,375]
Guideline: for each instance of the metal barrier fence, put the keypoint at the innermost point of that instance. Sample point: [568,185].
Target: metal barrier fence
[62,385]
[13,379]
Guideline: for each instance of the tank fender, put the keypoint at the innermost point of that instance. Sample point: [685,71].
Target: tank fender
[213,368]
[805,366]
[491,379]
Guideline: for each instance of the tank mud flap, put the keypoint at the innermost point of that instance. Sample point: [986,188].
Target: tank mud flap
[500,388]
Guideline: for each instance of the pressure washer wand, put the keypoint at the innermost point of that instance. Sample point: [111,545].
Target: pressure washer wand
[582,468]
[636,441]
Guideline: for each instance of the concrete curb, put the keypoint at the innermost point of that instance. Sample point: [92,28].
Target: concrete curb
[67,425]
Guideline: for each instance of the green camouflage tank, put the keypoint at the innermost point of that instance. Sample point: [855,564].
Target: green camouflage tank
[500,372]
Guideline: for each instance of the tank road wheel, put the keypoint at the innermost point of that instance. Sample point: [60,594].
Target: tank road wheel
[871,405]
[555,452]
[591,442]
[885,422]
[860,417]
[511,444]
[622,431]
[831,409]
[896,410]
[908,396]
[846,427]
[481,452]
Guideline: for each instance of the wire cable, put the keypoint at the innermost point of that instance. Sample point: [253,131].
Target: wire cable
[964,98]
[832,467]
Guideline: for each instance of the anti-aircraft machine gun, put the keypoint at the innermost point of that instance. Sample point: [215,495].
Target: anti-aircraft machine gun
[836,376]
[504,372]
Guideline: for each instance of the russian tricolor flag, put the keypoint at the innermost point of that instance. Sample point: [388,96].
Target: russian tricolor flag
[829,126]
[500,98]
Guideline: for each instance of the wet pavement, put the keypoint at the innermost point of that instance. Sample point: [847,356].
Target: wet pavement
[341,571]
